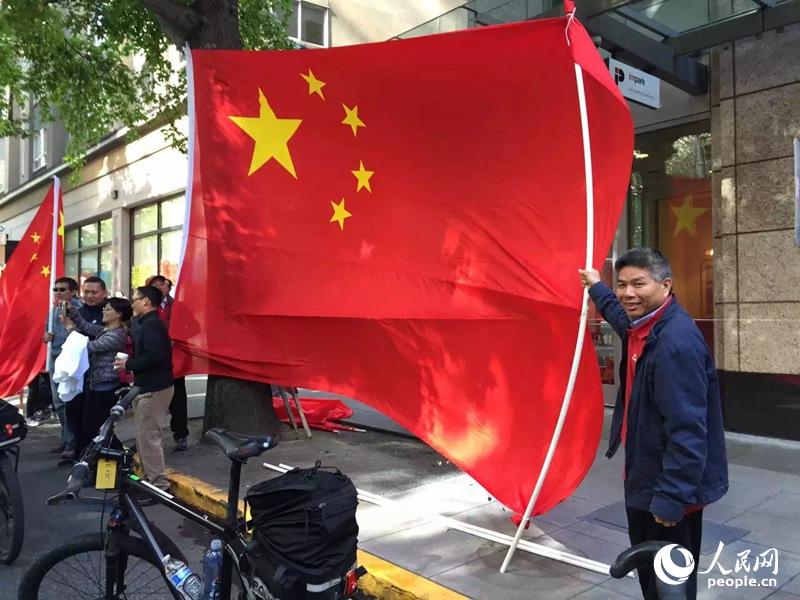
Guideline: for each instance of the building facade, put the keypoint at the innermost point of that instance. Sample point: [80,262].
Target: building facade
[712,186]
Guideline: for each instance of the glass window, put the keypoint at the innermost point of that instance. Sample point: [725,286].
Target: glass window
[38,140]
[89,265]
[88,252]
[3,172]
[106,264]
[89,235]
[105,231]
[312,26]
[144,259]
[293,24]
[671,210]
[145,219]
[71,240]
[307,23]
[156,244]
[170,254]
[172,212]
[71,266]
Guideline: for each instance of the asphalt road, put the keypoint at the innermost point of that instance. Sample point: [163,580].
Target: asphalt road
[47,526]
[384,462]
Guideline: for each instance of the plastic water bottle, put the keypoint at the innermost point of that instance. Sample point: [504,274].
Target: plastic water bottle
[212,568]
[182,578]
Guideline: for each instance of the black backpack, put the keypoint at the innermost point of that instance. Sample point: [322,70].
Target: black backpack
[305,532]
[12,424]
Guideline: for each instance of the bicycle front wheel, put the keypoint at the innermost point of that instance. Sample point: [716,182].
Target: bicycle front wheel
[12,518]
[78,569]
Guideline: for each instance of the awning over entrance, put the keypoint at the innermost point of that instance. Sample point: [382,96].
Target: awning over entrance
[662,37]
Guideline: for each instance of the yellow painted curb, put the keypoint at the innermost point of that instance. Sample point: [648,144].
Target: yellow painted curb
[384,580]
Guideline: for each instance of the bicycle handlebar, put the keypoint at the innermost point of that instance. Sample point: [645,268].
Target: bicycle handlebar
[80,470]
[641,555]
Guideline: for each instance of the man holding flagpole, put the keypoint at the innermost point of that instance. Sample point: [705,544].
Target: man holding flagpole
[668,414]
[65,290]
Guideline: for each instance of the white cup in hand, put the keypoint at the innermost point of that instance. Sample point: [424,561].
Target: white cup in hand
[120,356]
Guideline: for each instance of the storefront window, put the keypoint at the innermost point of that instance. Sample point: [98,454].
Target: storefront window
[88,252]
[156,244]
[670,209]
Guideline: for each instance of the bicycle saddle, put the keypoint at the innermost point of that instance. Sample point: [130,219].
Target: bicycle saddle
[240,447]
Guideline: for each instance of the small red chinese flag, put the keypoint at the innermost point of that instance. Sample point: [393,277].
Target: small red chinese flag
[402,223]
[25,297]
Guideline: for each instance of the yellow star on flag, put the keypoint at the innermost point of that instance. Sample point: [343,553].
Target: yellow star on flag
[314,85]
[686,216]
[34,256]
[60,223]
[351,118]
[36,237]
[363,176]
[271,135]
[340,213]
[46,271]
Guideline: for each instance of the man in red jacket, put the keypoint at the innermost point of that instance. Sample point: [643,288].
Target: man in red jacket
[178,409]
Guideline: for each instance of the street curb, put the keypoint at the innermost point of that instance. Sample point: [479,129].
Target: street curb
[384,580]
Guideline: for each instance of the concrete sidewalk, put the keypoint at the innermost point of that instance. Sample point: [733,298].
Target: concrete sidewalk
[759,513]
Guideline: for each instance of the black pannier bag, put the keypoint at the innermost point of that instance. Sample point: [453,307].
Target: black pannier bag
[12,424]
[305,532]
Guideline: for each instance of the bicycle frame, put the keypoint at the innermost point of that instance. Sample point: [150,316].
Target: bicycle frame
[230,531]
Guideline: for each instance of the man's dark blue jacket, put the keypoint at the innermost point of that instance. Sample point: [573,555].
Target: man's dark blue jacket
[675,444]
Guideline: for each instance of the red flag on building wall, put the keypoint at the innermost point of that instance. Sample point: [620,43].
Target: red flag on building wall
[25,295]
[402,223]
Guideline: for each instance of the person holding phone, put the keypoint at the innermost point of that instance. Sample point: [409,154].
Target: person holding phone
[105,342]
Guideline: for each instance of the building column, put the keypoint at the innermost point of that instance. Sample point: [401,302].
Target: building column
[121,250]
[755,117]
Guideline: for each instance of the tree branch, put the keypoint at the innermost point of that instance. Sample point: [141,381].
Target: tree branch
[178,20]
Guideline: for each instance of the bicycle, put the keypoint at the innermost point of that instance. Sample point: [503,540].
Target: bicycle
[12,515]
[640,555]
[127,560]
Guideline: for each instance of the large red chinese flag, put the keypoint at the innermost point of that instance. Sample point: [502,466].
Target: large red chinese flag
[403,223]
[25,297]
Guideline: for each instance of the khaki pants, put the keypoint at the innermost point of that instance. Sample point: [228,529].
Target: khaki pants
[150,410]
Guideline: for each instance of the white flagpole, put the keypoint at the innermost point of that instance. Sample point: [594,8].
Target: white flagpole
[576,358]
[190,171]
[53,259]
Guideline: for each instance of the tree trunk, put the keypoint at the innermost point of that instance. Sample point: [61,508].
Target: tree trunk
[201,24]
[233,404]
[240,406]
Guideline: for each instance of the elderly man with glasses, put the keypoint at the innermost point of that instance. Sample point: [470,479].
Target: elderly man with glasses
[65,290]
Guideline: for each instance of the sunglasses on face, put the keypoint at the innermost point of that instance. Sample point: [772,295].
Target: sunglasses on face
[58,289]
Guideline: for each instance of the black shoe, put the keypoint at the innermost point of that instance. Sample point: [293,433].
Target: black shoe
[181,445]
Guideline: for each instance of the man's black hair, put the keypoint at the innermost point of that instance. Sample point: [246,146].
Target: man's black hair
[71,283]
[646,258]
[95,279]
[152,293]
[123,307]
[155,278]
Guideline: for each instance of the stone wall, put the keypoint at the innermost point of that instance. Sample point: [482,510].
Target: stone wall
[755,116]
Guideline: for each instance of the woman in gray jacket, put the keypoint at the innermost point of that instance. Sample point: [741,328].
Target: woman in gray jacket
[104,342]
